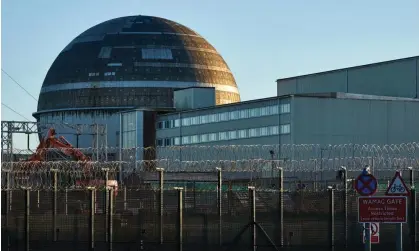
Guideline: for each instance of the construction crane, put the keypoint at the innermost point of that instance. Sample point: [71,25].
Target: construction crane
[61,144]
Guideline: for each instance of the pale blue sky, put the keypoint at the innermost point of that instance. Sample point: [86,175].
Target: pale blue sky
[260,40]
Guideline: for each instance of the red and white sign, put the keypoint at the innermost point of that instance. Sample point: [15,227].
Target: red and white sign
[375,233]
[397,186]
[383,209]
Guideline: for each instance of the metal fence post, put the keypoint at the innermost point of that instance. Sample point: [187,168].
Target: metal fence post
[160,206]
[125,198]
[54,205]
[66,200]
[92,218]
[8,193]
[281,206]
[345,204]
[331,218]
[180,219]
[110,218]
[413,216]
[106,206]
[413,225]
[252,204]
[27,216]
[219,202]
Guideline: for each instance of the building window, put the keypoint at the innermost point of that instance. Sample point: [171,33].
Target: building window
[254,112]
[167,124]
[234,115]
[204,137]
[222,136]
[160,125]
[244,113]
[194,120]
[212,118]
[264,131]
[159,142]
[253,132]
[242,134]
[285,108]
[224,116]
[232,134]
[285,129]
[156,54]
[204,119]
[212,137]
[194,139]
[177,122]
[167,142]
[274,130]
[185,140]
[273,109]
[186,122]
[264,111]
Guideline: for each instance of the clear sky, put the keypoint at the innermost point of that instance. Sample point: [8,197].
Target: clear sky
[261,41]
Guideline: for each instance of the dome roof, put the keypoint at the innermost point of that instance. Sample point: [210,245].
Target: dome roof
[134,61]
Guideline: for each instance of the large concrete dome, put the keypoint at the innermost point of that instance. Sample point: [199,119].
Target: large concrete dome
[134,61]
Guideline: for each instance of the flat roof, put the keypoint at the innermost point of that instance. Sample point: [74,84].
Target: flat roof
[349,68]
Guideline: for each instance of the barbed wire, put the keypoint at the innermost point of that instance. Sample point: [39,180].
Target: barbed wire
[235,152]
[39,175]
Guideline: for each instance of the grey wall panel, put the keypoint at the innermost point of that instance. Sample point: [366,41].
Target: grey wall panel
[417,77]
[72,118]
[397,78]
[287,86]
[344,121]
[335,81]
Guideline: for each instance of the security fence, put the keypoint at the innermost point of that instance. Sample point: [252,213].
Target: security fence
[218,204]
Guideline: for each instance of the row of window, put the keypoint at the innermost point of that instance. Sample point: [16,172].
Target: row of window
[96,74]
[225,116]
[227,135]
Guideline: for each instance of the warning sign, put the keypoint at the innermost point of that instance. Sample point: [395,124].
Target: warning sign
[397,186]
[384,209]
[375,233]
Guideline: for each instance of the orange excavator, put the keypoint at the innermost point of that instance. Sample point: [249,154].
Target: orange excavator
[50,141]
[61,144]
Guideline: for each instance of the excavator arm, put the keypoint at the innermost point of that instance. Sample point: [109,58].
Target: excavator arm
[56,143]
[60,143]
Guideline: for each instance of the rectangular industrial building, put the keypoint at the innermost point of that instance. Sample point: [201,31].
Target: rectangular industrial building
[328,118]
[371,104]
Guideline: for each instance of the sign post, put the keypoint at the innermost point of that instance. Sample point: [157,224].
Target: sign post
[366,185]
[397,187]
[375,233]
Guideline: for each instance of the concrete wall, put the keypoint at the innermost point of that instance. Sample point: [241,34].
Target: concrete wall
[343,121]
[398,78]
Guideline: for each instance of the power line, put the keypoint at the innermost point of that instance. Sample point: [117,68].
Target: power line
[15,111]
[18,84]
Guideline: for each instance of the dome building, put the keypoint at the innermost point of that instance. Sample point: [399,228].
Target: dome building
[126,63]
